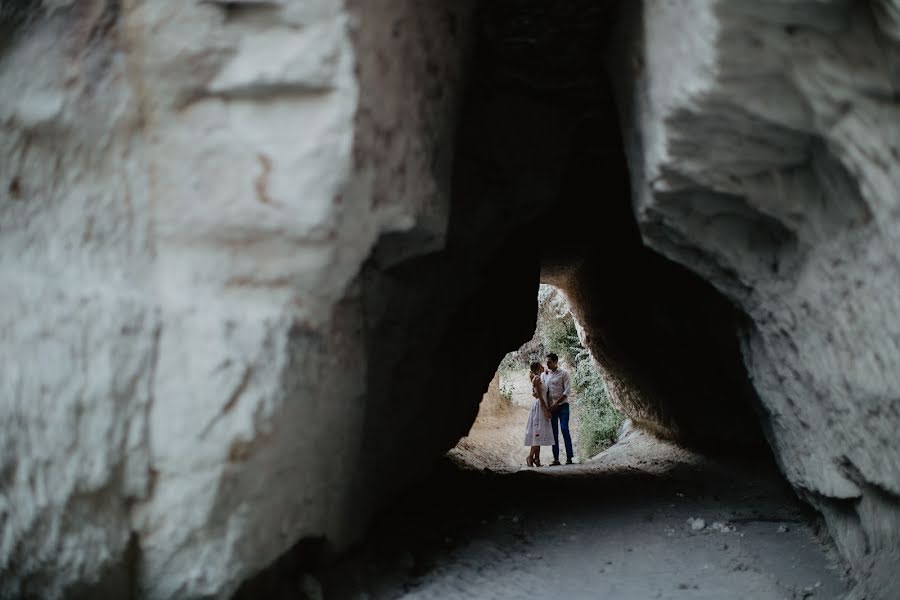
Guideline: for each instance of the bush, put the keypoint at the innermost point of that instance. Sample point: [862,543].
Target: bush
[599,421]
[555,325]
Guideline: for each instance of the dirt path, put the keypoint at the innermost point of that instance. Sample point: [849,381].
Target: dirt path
[616,527]
[644,519]
[496,440]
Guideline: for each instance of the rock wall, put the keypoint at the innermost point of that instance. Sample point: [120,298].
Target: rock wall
[261,259]
[190,192]
[763,141]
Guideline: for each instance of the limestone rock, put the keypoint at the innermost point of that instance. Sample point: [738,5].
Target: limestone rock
[763,139]
[246,246]
[190,190]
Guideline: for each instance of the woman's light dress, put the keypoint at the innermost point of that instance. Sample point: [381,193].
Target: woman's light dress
[538,431]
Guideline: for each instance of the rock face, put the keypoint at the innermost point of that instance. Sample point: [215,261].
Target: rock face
[763,142]
[253,254]
[190,190]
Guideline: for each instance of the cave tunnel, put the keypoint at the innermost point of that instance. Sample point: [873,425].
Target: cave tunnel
[262,259]
[542,194]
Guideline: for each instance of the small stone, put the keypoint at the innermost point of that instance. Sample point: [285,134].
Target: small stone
[696,524]
[806,592]
[311,588]
[722,527]
[783,529]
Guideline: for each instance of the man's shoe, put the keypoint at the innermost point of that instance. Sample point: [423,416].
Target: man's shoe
[555,463]
[569,461]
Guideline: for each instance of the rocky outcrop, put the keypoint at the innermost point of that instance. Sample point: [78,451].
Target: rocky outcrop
[763,141]
[190,191]
[260,259]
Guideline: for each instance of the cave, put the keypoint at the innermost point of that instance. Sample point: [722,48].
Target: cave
[542,193]
[539,145]
[262,260]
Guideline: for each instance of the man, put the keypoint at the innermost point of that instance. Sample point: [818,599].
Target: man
[557,382]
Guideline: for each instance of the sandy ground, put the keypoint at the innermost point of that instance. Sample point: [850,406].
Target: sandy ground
[622,526]
[496,439]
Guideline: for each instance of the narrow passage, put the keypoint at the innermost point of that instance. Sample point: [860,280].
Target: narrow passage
[644,519]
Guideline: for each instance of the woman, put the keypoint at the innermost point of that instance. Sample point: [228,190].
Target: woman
[537,431]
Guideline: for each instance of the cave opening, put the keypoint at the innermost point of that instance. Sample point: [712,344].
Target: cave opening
[689,503]
[508,408]
[540,172]
[263,258]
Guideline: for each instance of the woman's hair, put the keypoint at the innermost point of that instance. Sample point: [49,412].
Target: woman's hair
[535,367]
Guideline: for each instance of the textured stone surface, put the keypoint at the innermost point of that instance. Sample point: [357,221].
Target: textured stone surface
[763,141]
[189,192]
[255,268]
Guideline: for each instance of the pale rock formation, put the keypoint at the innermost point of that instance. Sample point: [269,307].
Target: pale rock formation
[764,140]
[189,191]
[228,253]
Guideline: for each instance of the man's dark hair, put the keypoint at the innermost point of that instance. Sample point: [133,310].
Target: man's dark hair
[552,356]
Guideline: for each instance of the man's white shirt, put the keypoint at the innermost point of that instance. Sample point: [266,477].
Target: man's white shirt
[557,383]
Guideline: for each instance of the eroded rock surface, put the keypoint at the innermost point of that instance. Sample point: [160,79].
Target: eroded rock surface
[260,260]
[190,190]
[763,141]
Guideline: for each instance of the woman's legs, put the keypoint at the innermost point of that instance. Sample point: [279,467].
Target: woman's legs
[533,455]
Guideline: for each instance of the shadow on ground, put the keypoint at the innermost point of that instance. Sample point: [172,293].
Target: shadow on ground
[625,525]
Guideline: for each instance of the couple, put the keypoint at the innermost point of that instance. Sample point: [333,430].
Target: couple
[550,388]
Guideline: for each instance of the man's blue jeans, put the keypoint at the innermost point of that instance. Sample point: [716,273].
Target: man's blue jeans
[561,417]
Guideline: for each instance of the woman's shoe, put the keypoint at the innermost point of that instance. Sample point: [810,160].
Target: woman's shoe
[537,462]
[529,461]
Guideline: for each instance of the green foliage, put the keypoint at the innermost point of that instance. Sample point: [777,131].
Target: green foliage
[599,421]
[554,332]
[560,336]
